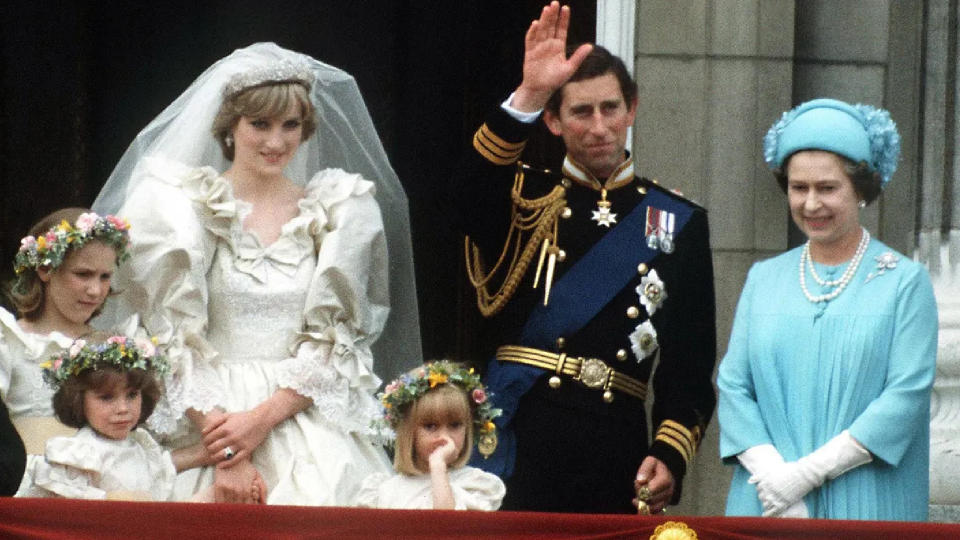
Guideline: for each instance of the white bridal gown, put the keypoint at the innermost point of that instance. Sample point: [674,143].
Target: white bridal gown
[240,320]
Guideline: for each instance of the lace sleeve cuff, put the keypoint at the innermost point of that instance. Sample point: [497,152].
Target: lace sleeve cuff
[330,372]
[190,385]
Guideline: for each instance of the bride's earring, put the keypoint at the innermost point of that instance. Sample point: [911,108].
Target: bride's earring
[228,140]
[862,204]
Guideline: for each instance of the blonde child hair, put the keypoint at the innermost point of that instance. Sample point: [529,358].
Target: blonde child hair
[443,403]
[438,391]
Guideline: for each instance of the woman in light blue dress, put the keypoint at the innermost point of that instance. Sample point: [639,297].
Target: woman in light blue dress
[825,387]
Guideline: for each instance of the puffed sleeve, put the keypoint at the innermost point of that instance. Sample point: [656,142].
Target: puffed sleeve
[369,494]
[741,423]
[887,427]
[164,280]
[159,465]
[346,306]
[475,489]
[70,469]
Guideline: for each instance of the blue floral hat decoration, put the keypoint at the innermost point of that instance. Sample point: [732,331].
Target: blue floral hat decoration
[399,395]
[121,352]
[857,132]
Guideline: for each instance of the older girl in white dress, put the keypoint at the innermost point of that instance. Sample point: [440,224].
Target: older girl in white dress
[64,270]
[266,283]
[439,411]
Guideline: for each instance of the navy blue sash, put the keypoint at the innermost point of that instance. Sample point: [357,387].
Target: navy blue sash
[575,299]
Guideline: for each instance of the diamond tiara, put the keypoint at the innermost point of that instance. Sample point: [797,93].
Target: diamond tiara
[281,71]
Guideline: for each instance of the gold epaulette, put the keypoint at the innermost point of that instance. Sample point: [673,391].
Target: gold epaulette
[496,150]
[531,222]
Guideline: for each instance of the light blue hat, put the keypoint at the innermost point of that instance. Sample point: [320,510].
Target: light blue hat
[857,132]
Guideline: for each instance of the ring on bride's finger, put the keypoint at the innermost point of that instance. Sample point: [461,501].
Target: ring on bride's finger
[228,452]
[643,493]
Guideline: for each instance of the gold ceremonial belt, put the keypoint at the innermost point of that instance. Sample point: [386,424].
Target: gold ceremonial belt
[591,372]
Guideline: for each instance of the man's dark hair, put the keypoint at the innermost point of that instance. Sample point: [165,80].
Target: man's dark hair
[598,63]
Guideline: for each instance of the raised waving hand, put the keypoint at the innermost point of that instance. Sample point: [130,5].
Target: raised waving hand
[545,64]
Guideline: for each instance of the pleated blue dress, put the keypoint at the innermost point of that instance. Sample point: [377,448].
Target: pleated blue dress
[797,373]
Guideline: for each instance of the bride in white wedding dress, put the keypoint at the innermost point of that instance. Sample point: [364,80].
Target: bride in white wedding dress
[260,262]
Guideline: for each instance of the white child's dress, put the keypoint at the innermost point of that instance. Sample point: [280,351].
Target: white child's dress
[28,399]
[473,489]
[88,466]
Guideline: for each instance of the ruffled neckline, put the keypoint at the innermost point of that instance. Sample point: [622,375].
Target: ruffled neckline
[35,343]
[221,213]
[224,215]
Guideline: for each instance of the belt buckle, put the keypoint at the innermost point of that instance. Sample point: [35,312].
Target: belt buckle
[594,373]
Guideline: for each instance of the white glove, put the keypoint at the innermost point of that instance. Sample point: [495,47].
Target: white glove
[837,456]
[761,459]
[781,487]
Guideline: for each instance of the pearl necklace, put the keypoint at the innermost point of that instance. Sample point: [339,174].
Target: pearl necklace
[841,283]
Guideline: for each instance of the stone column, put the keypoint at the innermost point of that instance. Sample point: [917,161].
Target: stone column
[940,213]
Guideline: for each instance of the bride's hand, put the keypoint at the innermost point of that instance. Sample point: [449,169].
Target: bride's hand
[241,432]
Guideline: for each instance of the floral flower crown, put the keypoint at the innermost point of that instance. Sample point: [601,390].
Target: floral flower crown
[121,352]
[51,248]
[289,71]
[399,395]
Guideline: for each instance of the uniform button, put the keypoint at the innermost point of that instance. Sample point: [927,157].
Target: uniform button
[565,183]
[622,355]
[567,213]
[642,269]
[561,255]
[561,343]
[642,190]
[633,312]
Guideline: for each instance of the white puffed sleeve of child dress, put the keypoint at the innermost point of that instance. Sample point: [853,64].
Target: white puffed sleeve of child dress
[87,466]
[473,489]
[476,489]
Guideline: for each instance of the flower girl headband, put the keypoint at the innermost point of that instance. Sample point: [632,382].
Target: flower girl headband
[51,248]
[398,396]
[121,352]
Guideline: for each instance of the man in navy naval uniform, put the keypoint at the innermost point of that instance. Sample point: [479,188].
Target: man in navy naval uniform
[587,276]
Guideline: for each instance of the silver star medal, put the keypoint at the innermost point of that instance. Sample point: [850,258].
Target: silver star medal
[602,215]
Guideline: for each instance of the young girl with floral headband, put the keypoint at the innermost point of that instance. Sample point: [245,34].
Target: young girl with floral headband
[106,387]
[438,411]
[64,269]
